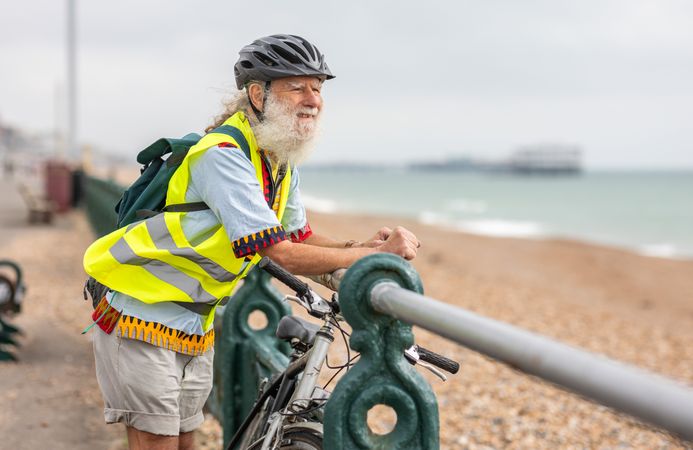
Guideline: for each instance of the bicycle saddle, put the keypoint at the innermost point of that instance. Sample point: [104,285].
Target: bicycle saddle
[292,327]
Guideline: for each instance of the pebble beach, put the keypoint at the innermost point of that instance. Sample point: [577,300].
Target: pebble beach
[636,309]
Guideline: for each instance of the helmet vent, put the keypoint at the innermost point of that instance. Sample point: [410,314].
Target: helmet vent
[246,64]
[309,47]
[299,50]
[285,54]
[264,59]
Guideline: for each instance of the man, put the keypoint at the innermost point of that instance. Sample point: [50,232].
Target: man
[153,347]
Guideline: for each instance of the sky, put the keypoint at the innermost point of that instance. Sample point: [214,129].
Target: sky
[415,80]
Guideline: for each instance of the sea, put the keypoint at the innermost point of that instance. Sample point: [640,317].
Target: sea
[650,213]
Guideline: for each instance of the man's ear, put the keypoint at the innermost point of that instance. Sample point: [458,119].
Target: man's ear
[256,92]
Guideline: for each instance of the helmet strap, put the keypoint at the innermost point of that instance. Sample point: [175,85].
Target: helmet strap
[259,114]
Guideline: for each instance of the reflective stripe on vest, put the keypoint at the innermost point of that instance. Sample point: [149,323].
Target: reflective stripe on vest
[124,254]
[162,240]
[153,261]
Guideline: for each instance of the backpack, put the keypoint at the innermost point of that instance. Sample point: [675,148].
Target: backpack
[146,197]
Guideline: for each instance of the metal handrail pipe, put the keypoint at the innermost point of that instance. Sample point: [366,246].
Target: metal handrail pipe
[647,396]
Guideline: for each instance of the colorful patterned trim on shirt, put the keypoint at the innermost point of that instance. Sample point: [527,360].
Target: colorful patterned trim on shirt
[252,243]
[301,234]
[267,180]
[163,336]
[226,144]
[105,316]
[277,198]
[266,183]
[153,333]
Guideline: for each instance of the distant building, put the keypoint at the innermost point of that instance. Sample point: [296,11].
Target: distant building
[8,137]
[547,159]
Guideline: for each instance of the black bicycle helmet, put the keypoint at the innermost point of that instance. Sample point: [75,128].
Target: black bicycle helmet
[279,56]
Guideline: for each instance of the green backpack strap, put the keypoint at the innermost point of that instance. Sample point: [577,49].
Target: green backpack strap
[178,207]
[177,157]
[177,147]
[237,135]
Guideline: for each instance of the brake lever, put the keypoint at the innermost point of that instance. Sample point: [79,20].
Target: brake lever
[413,356]
[433,369]
[316,307]
[298,301]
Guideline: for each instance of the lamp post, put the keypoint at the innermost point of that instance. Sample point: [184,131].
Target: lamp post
[72,151]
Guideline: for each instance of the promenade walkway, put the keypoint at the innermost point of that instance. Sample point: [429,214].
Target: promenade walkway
[50,399]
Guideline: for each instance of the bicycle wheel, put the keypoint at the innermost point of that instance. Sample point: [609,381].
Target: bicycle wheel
[254,430]
[296,439]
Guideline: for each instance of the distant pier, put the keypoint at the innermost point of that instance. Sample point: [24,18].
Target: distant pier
[546,160]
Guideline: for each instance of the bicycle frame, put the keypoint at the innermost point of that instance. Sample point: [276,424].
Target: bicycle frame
[316,359]
[285,411]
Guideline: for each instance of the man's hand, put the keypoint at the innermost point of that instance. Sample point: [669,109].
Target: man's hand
[379,238]
[318,255]
[399,241]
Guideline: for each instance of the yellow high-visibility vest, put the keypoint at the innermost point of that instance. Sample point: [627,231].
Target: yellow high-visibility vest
[152,260]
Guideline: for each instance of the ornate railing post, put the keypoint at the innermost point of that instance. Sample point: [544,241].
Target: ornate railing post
[243,355]
[382,375]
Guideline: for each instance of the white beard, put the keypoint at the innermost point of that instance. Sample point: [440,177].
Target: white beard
[283,134]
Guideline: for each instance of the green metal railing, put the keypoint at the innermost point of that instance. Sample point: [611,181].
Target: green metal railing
[382,294]
[99,200]
[11,295]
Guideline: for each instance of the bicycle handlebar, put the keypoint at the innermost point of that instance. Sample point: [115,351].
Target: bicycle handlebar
[285,277]
[303,290]
[438,360]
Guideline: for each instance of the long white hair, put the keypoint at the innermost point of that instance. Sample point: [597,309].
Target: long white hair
[238,101]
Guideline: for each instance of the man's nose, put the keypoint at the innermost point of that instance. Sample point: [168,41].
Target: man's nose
[312,99]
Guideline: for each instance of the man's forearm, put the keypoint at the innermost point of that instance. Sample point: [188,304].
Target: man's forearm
[302,259]
[327,242]
[320,254]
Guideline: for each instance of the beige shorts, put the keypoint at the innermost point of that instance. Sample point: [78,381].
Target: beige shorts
[150,388]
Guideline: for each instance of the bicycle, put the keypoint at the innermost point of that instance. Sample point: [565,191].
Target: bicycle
[287,414]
